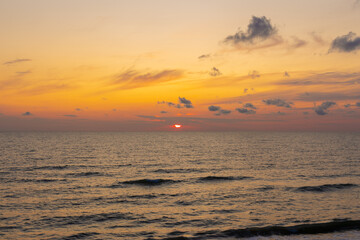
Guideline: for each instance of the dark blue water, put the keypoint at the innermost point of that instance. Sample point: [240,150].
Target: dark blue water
[180,185]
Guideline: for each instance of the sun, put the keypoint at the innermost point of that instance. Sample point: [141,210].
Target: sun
[177,125]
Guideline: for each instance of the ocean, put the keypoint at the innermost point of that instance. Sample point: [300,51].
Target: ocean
[179,185]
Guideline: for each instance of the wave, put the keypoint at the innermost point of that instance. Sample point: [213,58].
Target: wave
[60,167]
[45,180]
[315,228]
[84,219]
[325,187]
[220,178]
[85,174]
[80,236]
[150,182]
[179,170]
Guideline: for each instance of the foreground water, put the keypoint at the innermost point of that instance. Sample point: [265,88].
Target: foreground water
[179,185]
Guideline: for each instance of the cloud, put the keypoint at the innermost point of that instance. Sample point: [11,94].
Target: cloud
[170,104]
[356,3]
[254,74]
[317,38]
[245,111]
[321,110]
[132,79]
[222,112]
[22,73]
[27,114]
[78,109]
[280,113]
[278,102]
[323,96]
[150,117]
[187,103]
[204,56]
[347,105]
[225,112]
[163,112]
[214,72]
[249,105]
[219,111]
[286,74]
[326,78]
[297,43]
[19,60]
[70,115]
[183,103]
[345,43]
[213,108]
[358,104]
[259,28]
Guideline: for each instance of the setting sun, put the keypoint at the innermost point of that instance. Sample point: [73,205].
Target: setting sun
[177,126]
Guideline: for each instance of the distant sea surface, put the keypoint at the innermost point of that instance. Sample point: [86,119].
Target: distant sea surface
[180,185]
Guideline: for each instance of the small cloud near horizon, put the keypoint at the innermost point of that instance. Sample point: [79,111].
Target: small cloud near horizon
[245,111]
[277,102]
[183,103]
[321,110]
[27,114]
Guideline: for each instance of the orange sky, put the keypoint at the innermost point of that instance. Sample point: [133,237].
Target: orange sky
[209,65]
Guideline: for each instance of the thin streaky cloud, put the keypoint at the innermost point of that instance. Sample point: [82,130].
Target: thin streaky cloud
[19,60]
[132,79]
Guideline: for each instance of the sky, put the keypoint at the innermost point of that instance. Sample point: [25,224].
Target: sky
[140,65]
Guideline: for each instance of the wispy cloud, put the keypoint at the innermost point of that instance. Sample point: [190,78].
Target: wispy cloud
[297,43]
[22,73]
[19,60]
[327,78]
[323,96]
[132,79]
[70,115]
[204,56]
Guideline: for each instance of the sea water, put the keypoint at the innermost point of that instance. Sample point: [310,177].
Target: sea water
[180,185]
